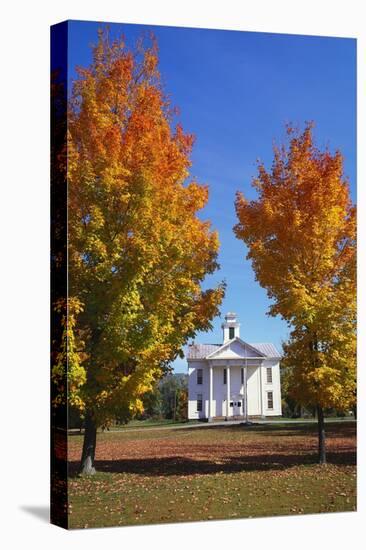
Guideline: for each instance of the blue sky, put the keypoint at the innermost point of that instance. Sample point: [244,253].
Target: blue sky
[235,91]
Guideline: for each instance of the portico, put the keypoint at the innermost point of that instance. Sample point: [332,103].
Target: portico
[234,379]
[236,395]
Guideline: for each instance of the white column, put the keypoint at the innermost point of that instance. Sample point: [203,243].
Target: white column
[210,395]
[261,386]
[227,391]
[246,391]
[242,388]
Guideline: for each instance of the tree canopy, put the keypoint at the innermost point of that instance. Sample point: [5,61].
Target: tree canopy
[301,238]
[137,250]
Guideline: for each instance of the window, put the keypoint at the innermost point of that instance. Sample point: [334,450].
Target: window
[199,376]
[270,400]
[231,404]
[242,376]
[231,333]
[199,402]
[269,375]
[225,376]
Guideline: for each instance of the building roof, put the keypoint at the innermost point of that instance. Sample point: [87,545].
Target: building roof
[267,349]
[200,351]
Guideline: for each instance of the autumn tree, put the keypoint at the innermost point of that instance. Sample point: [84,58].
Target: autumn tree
[301,238]
[168,398]
[137,250]
[174,392]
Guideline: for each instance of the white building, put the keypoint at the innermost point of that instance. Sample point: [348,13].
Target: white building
[233,380]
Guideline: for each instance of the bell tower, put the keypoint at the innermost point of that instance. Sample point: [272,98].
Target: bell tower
[230,328]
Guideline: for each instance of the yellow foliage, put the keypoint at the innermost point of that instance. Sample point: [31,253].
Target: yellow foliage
[301,236]
[67,373]
[138,252]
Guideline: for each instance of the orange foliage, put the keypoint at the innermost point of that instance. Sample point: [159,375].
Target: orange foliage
[138,252]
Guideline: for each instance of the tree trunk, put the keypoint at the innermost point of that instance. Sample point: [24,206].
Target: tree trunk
[321,434]
[90,441]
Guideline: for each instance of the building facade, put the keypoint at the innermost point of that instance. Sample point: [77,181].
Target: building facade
[235,379]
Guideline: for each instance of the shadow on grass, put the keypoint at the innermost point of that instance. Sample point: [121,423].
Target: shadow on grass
[181,466]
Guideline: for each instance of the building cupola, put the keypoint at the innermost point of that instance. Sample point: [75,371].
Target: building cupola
[230,328]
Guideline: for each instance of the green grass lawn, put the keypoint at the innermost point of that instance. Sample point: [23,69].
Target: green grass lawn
[213,472]
[148,423]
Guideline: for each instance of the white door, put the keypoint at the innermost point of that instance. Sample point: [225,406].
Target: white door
[237,407]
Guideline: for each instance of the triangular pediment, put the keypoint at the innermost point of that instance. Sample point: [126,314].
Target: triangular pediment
[236,348]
